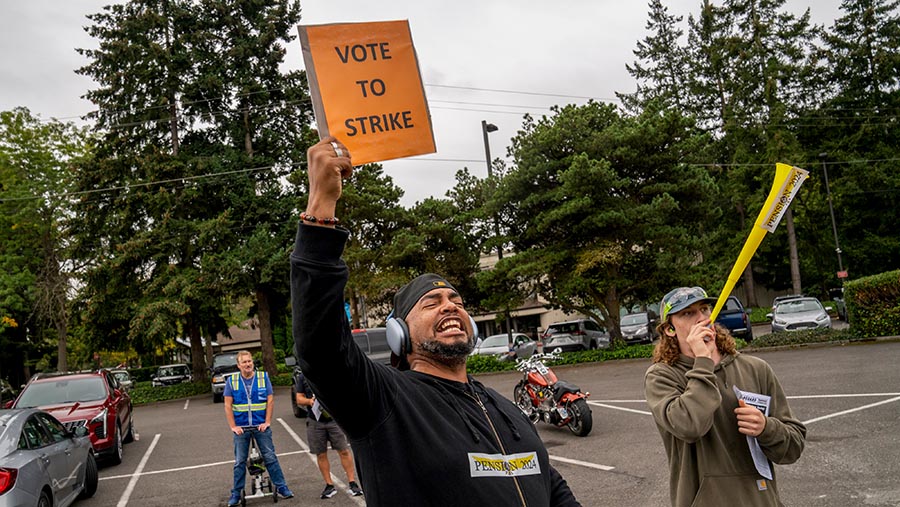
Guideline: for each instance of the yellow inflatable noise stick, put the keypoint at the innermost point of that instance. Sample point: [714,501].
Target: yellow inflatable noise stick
[787,182]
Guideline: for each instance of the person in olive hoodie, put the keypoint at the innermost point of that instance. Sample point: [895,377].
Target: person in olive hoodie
[704,427]
[429,435]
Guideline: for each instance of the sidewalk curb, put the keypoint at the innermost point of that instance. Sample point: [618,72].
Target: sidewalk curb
[862,341]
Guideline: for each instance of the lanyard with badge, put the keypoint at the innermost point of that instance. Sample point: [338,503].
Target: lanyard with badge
[248,388]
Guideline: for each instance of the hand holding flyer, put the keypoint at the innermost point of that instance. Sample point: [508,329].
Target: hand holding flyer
[761,402]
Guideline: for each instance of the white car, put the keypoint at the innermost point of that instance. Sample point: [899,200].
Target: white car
[498,345]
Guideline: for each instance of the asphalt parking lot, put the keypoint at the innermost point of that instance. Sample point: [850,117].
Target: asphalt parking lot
[849,396]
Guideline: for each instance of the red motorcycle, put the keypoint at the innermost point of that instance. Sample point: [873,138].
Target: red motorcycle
[543,397]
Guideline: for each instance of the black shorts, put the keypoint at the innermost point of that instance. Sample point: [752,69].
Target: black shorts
[320,433]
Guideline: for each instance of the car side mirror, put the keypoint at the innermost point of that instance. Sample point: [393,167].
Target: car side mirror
[9,404]
[769,316]
[80,431]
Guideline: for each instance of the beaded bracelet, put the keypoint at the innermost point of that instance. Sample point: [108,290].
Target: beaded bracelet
[322,221]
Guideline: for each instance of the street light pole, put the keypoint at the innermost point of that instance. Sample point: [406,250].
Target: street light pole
[485,129]
[837,246]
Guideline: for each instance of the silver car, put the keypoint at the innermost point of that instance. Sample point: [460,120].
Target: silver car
[41,463]
[799,313]
[581,334]
[498,345]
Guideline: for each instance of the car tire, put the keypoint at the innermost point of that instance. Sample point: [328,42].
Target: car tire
[90,477]
[44,500]
[115,454]
[129,435]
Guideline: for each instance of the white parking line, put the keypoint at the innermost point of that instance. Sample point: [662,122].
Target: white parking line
[587,464]
[358,500]
[598,404]
[799,397]
[123,500]
[857,409]
[192,467]
[859,395]
[186,403]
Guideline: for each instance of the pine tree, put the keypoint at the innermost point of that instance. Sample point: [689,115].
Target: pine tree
[661,67]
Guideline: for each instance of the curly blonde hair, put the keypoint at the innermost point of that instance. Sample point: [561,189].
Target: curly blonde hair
[667,351]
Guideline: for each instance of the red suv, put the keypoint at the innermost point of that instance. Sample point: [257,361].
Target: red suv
[93,399]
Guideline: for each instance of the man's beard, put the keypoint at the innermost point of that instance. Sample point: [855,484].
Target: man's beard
[450,354]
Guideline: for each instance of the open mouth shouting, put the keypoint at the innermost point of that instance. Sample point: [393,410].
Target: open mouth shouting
[450,326]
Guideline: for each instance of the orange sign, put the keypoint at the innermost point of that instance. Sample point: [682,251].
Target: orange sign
[367,90]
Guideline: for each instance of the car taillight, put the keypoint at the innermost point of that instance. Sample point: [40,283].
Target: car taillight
[7,479]
[579,333]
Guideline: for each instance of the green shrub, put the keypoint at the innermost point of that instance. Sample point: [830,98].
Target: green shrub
[873,304]
[803,337]
[282,379]
[758,315]
[144,392]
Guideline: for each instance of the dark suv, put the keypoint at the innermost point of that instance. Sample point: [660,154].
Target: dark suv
[93,399]
[734,317]
[223,366]
[373,343]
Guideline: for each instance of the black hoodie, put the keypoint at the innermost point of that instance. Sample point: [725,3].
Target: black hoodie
[419,440]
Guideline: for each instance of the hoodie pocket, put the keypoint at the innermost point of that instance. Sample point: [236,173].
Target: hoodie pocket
[740,489]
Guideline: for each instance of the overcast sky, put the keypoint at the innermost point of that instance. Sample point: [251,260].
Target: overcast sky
[488,60]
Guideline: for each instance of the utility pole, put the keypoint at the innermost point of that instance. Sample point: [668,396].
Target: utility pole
[485,129]
[837,246]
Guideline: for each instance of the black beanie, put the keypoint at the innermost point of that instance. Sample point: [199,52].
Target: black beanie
[408,295]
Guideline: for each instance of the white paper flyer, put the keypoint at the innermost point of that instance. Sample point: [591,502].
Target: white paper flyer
[761,402]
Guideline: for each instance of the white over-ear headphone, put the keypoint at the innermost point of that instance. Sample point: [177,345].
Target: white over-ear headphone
[398,339]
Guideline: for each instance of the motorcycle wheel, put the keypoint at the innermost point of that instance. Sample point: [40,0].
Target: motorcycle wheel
[582,421]
[523,401]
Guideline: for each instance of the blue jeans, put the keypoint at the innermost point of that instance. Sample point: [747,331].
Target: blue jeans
[266,448]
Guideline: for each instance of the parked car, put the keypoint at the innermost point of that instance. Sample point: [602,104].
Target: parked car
[582,334]
[373,342]
[779,299]
[223,366]
[639,327]
[171,374]
[91,399]
[498,345]
[124,379]
[41,462]
[799,313]
[736,318]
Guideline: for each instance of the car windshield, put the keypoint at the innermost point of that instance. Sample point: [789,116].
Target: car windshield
[171,371]
[635,319]
[228,360]
[63,390]
[498,340]
[803,305]
[569,327]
